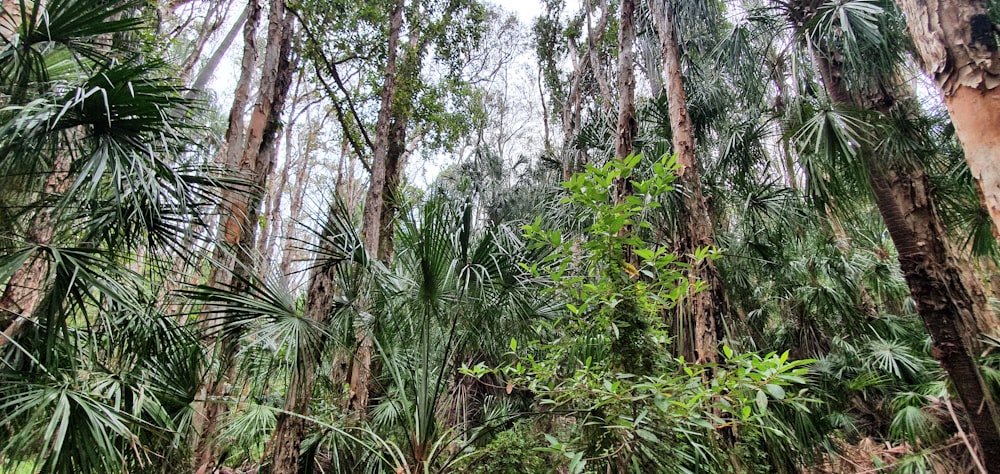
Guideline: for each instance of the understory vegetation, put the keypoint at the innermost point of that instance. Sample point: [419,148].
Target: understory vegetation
[428,236]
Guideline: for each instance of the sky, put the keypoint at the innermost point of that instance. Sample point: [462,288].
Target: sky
[526,9]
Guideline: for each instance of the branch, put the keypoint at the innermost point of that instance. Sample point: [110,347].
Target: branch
[332,69]
[343,122]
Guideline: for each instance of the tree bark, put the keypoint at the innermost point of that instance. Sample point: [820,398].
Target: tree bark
[627,124]
[376,203]
[697,322]
[26,286]
[283,450]
[253,158]
[948,299]
[956,45]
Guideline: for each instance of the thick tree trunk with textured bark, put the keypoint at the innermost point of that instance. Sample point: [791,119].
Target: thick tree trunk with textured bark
[940,289]
[627,125]
[697,321]
[956,45]
[251,154]
[949,300]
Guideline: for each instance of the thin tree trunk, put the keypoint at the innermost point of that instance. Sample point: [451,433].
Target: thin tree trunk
[627,124]
[269,230]
[595,61]
[253,157]
[545,114]
[957,46]
[302,171]
[696,322]
[214,17]
[208,70]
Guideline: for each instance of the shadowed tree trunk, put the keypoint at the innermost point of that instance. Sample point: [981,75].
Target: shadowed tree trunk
[26,286]
[948,299]
[698,318]
[956,45]
[250,152]
[284,446]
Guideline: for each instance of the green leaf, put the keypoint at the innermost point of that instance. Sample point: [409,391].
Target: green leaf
[761,401]
[775,391]
[647,435]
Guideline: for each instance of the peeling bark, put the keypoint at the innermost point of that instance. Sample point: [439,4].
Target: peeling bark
[698,319]
[949,300]
[956,45]
[253,158]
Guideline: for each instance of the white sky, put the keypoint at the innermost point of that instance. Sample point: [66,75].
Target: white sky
[526,9]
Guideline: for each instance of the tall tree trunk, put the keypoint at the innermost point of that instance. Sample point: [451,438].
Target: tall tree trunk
[302,169]
[957,46]
[594,54]
[208,70]
[941,290]
[252,154]
[283,448]
[948,299]
[627,125]
[269,230]
[215,15]
[376,202]
[697,322]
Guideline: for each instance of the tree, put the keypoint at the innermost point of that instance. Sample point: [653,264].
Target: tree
[947,299]
[697,325]
[956,45]
[96,197]
[249,151]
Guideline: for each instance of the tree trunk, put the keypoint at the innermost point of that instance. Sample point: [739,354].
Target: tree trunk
[253,158]
[941,292]
[956,45]
[208,70]
[215,15]
[698,318]
[948,300]
[302,169]
[289,431]
[26,286]
[375,202]
[594,54]
[269,231]
[627,125]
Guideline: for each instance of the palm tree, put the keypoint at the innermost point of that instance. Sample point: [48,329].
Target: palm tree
[96,204]
[947,299]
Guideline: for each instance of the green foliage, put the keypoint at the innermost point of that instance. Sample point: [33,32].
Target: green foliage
[512,451]
[603,366]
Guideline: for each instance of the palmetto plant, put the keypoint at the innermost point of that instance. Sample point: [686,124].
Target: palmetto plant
[95,379]
[453,295]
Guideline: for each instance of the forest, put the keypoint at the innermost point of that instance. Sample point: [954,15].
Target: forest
[449,236]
